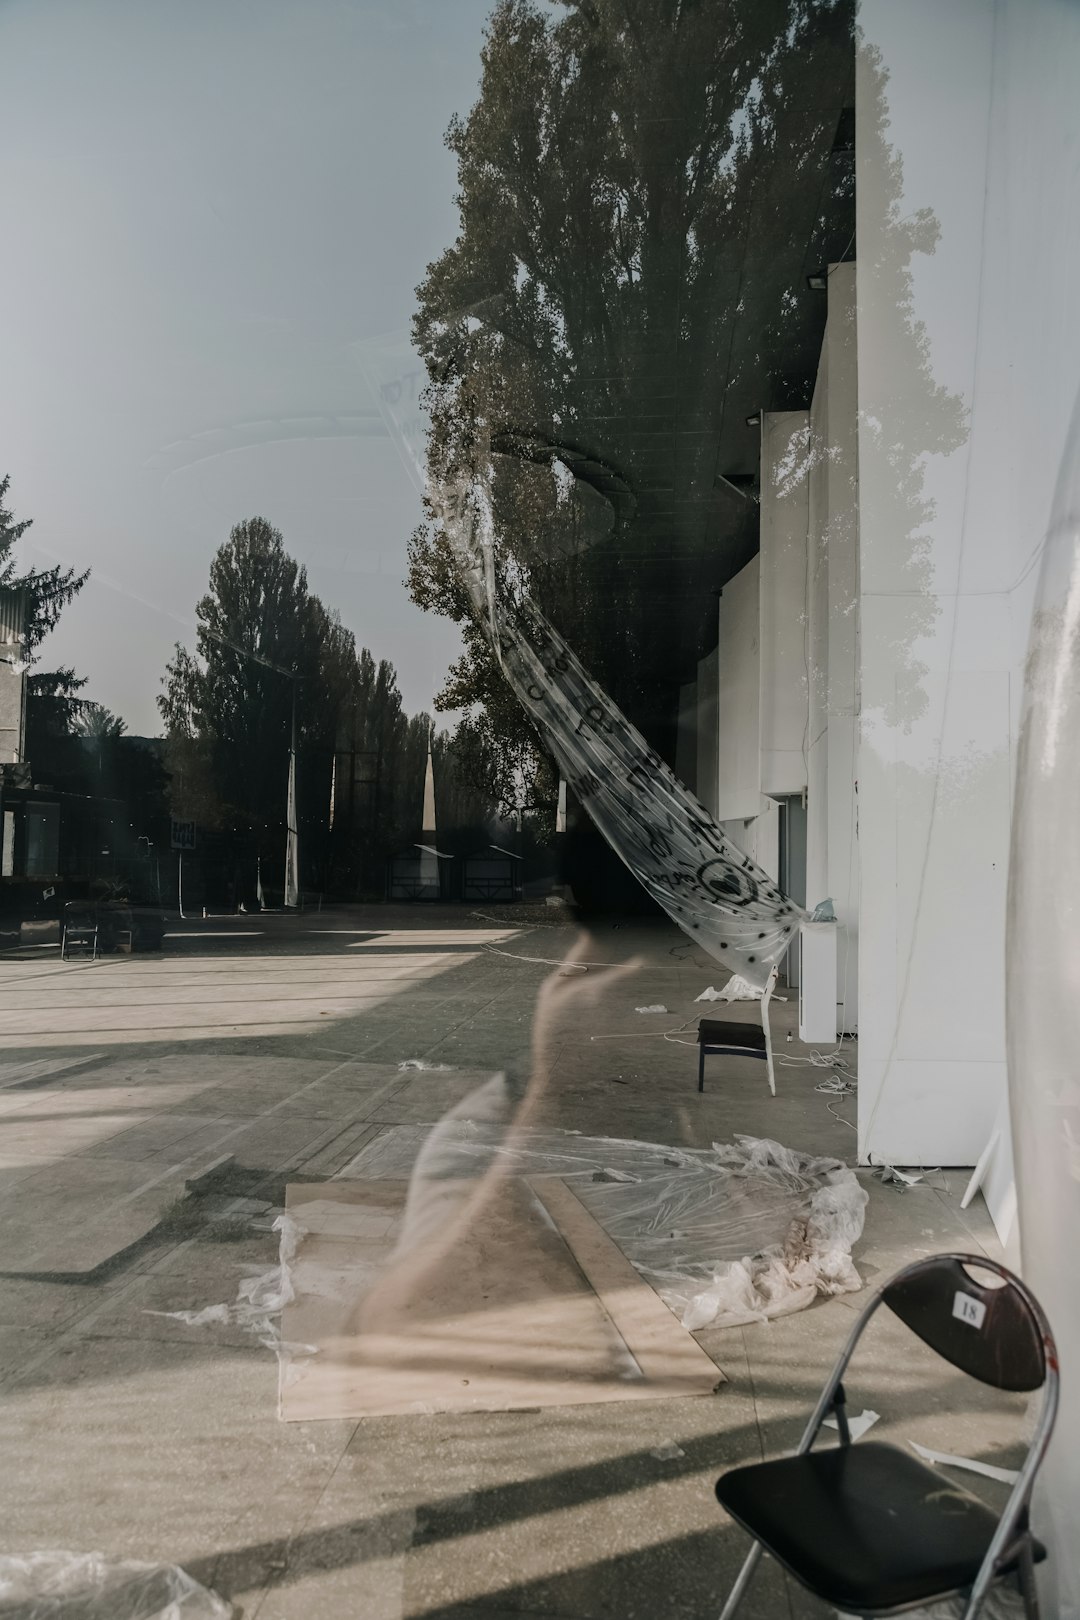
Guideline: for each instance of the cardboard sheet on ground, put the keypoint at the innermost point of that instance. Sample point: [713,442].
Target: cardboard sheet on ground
[528,1303]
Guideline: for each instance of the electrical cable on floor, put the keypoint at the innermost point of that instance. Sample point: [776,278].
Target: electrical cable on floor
[818,1060]
[651,1035]
[533,922]
[548,961]
[840,1117]
[838,1085]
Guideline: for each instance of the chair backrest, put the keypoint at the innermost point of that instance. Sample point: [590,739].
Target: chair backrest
[996,1334]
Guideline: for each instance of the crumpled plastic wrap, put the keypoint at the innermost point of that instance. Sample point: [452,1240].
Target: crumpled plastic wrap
[56,1585]
[1000,1603]
[260,1299]
[736,1233]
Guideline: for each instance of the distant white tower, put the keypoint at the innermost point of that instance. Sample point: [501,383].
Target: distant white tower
[429,860]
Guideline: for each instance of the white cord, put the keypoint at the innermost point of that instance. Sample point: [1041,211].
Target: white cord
[840,1117]
[533,922]
[839,1085]
[549,961]
[818,1060]
[650,1035]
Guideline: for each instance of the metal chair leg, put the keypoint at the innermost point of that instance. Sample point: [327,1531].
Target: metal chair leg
[701,1069]
[745,1576]
[1027,1580]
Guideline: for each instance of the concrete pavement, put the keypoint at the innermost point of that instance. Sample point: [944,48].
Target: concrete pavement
[255,1050]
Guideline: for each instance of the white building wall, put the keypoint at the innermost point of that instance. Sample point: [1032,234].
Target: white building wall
[960,434]
[727,699]
[782,587]
[982,114]
[12,706]
[12,678]
[759,836]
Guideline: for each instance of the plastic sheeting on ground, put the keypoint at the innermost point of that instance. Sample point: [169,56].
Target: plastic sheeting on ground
[726,1235]
[736,989]
[89,1586]
[1000,1603]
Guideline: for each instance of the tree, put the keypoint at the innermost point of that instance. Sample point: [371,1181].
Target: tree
[52,700]
[47,591]
[53,707]
[95,720]
[263,641]
[259,638]
[579,333]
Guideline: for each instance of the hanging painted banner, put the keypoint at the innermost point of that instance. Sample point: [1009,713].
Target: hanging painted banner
[675,849]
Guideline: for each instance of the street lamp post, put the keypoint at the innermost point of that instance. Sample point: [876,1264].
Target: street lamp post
[292,835]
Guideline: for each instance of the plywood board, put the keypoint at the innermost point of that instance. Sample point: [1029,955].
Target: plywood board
[503,1313]
[660,1344]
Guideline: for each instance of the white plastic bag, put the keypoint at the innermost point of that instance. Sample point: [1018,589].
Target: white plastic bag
[88,1586]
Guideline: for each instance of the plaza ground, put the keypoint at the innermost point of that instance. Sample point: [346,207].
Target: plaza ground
[153,1108]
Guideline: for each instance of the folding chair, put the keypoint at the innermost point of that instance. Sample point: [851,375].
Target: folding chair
[80,930]
[871,1529]
[731,1036]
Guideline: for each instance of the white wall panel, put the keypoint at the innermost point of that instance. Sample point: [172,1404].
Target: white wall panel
[739,686]
[686,736]
[707,699]
[783,563]
[969,361]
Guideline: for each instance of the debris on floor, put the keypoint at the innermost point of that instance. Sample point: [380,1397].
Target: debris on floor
[1004,1476]
[658,1007]
[736,989]
[901,1180]
[260,1299]
[89,1586]
[857,1425]
[1000,1603]
[668,1452]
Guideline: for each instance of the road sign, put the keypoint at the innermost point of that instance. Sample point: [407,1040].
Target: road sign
[182,835]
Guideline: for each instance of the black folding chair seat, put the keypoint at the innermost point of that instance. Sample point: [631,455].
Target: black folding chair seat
[730,1032]
[732,1037]
[79,930]
[833,1519]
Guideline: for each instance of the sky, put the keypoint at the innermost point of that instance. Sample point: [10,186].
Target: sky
[210,212]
